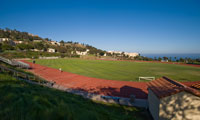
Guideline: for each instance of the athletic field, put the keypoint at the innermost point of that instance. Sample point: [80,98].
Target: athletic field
[123,70]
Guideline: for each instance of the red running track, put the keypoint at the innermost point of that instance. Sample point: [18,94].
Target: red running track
[92,85]
[89,84]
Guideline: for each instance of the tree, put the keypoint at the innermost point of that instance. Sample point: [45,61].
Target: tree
[101,53]
[7,47]
[62,42]
[155,58]
[165,58]
[39,45]
[181,60]
[175,58]
[170,59]
[22,46]
[159,59]
[0,47]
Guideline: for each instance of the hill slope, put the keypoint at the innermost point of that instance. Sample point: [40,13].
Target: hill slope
[20,100]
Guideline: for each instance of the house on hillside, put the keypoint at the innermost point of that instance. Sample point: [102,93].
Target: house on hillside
[4,39]
[51,50]
[17,42]
[114,52]
[55,43]
[82,53]
[37,40]
[37,50]
[7,40]
[171,100]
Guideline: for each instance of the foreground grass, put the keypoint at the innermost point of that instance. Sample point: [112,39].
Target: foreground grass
[123,70]
[22,101]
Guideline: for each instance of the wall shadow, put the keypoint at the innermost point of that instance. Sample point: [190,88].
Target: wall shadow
[124,91]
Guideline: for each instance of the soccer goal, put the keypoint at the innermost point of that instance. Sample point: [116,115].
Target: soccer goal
[146,78]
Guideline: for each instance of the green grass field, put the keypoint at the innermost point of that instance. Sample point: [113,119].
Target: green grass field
[123,70]
[23,101]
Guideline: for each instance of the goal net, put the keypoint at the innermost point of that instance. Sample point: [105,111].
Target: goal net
[146,78]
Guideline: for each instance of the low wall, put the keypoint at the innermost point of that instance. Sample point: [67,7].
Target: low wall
[49,57]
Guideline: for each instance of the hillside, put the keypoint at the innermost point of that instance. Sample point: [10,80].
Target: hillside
[20,100]
[14,40]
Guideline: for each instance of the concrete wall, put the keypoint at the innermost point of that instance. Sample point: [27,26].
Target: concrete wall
[154,103]
[181,106]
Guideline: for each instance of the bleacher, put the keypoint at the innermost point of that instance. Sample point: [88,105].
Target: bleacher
[15,63]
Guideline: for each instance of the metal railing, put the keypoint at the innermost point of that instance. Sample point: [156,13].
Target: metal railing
[25,76]
[15,63]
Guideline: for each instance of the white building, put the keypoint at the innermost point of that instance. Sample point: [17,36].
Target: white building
[131,54]
[37,40]
[125,53]
[4,39]
[51,50]
[18,42]
[114,52]
[36,50]
[82,53]
[55,43]
[164,60]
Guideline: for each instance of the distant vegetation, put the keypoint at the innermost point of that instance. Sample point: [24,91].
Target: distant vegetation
[23,101]
[30,42]
[124,70]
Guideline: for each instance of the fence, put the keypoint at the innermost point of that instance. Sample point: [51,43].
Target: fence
[48,57]
[25,76]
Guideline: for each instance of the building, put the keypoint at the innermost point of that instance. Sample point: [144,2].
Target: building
[55,43]
[37,40]
[131,54]
[32,35]
[114,52]
[51,50]
[36,50]
[4,39]
[196,85]
[82,53]
[18,42]
[125,53]
[164,60]
[171,100]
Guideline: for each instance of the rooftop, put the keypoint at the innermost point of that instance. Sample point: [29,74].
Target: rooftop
[164,87]
[196,85]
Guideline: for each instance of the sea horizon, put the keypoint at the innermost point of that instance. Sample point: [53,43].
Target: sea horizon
[172,55]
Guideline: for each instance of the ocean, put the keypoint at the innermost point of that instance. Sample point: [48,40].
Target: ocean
[178,56]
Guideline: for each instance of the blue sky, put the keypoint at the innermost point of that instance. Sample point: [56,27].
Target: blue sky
[163,26]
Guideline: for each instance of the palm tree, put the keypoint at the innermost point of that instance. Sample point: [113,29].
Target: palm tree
[175,58]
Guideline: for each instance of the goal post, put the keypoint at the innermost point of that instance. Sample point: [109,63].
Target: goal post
[146,78]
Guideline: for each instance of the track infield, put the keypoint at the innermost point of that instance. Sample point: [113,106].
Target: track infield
[92,85]
[124,70]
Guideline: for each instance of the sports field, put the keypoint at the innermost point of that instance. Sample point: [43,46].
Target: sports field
[123,70]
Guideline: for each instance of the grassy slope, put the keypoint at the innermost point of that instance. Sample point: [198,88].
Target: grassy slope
[123,70]
[19,100]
